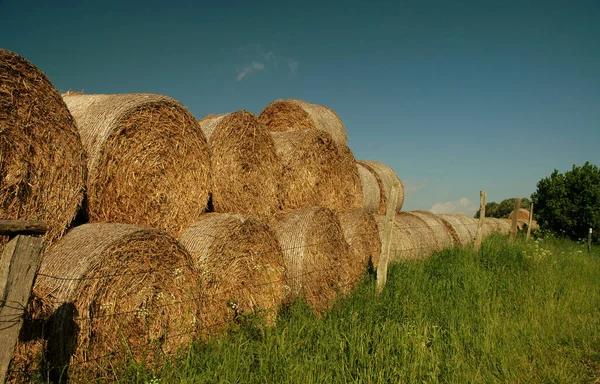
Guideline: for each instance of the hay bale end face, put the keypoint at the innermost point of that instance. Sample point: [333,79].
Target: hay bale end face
[298,115]
[240,265]
[314,249]
[42,160]
[313,171]
[385,178]
[120,289]
[148,160]
[362,235]
[523,215]
[246,172]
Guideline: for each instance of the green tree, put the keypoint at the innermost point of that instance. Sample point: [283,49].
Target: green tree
[502,210]
[569,204]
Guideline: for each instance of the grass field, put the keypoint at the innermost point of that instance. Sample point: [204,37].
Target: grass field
[522,313]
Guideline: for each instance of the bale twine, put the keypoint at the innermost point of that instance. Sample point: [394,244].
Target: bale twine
[463,235]
[314,250]
[121,289]
[412,238]
[240,264]
[361,234]
[385,177]
[298,115]
[246,172]
[42,160]
[148,160]
[313,171]
[445,236]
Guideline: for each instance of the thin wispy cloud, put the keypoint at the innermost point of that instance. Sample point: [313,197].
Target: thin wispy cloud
[256,58]
[465,206]
[412,186]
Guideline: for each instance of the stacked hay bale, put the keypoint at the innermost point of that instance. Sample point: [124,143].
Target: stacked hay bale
[42,160]
[411,236]
[297,115]
[314,251]
[148,160]
[240,264]
[503,226]
[377,180]
[463,234]
[361,234]
[246,172]
[523,215]
[445,236]
[118,292]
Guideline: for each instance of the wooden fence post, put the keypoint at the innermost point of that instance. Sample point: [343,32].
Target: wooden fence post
[513,228]
[390,214]
[19,263]
[590,240]
[530,222]
[479,236]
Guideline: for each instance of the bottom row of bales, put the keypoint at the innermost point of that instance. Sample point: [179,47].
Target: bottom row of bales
[105,290]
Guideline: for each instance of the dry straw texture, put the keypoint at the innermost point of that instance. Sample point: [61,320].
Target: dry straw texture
[246,172]
[148,160]
[411,237]
[444,234]
[42,161]
[371,190]
[240,264]
[313,171]
[117,288]
[361,234]
[298,115]
[385,177]
[523,215]
[503,226]
[464,236]
[351,185]
[314,250]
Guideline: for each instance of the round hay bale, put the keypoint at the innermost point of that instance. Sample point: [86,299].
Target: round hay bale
[503,226]
[314,250]
[411,237]
[313,171]
[148,160]
[463,235]
[523,215]
[470,224]
[371,190]
[385,177]
[240,264]
[489,226]
[445,237]
[351,186]
[246,172]
[42,160]
[402,246]
[298,115]
[362,235]
[121,289]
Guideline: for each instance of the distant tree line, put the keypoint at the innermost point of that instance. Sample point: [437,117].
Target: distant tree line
[503,210]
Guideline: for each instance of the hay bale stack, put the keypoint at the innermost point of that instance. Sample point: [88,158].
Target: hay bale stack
[118,288]
[445,237]
[412,238]
[148,160]
[313,171]
[470,224]
[503,226]
[371,190]
[298,115]
[523,215]
[361,234]
[463,235]
[351,185]
[240,264]
[246,172]
[385,177]
[42,160]
[314,250]
[490,226]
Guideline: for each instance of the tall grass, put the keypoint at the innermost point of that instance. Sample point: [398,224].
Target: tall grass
[519,313]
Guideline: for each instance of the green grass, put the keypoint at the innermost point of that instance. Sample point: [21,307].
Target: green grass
[522,313]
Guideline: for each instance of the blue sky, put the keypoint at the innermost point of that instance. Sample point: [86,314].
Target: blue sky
[456,96]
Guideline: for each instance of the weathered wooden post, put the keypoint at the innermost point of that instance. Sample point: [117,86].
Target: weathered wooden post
[590,240]
[19,263]
[530,222]
[513,228]
[390,214]
[479,235]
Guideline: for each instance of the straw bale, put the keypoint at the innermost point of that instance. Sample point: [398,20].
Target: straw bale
[351,185]
[117,288]
[444,234]
[313,171]
[361,234]
[370,188]
[240,264]
[246,172]
[42,160]
[385,177]
[314,250]
[148,161]
[298,115]
[523,215]
[463,235]
[412,238]
[503,226]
